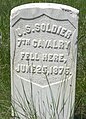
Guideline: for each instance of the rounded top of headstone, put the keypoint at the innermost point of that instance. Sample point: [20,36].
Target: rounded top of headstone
[45,6]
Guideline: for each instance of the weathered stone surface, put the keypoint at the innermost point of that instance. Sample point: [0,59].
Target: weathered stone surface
[43,53]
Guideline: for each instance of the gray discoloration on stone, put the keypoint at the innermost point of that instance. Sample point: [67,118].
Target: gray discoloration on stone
[45,6]
[44,49]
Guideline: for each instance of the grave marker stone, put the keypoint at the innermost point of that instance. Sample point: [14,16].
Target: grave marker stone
[43,58]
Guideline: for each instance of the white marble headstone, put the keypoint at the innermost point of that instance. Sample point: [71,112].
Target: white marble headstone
[43,39]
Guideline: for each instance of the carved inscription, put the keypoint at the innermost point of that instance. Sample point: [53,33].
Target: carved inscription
[43,49]
[38,43]
[53,70]
[54,29]
[45,57]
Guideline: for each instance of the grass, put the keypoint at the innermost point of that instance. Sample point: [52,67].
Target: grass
[5,8]
[27,106]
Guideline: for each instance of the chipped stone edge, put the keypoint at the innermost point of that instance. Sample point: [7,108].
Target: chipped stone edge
[45,6]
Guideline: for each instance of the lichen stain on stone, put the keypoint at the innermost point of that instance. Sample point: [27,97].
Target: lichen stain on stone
[67,10]
[70,12]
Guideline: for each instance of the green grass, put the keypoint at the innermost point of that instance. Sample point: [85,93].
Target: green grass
[5,8]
